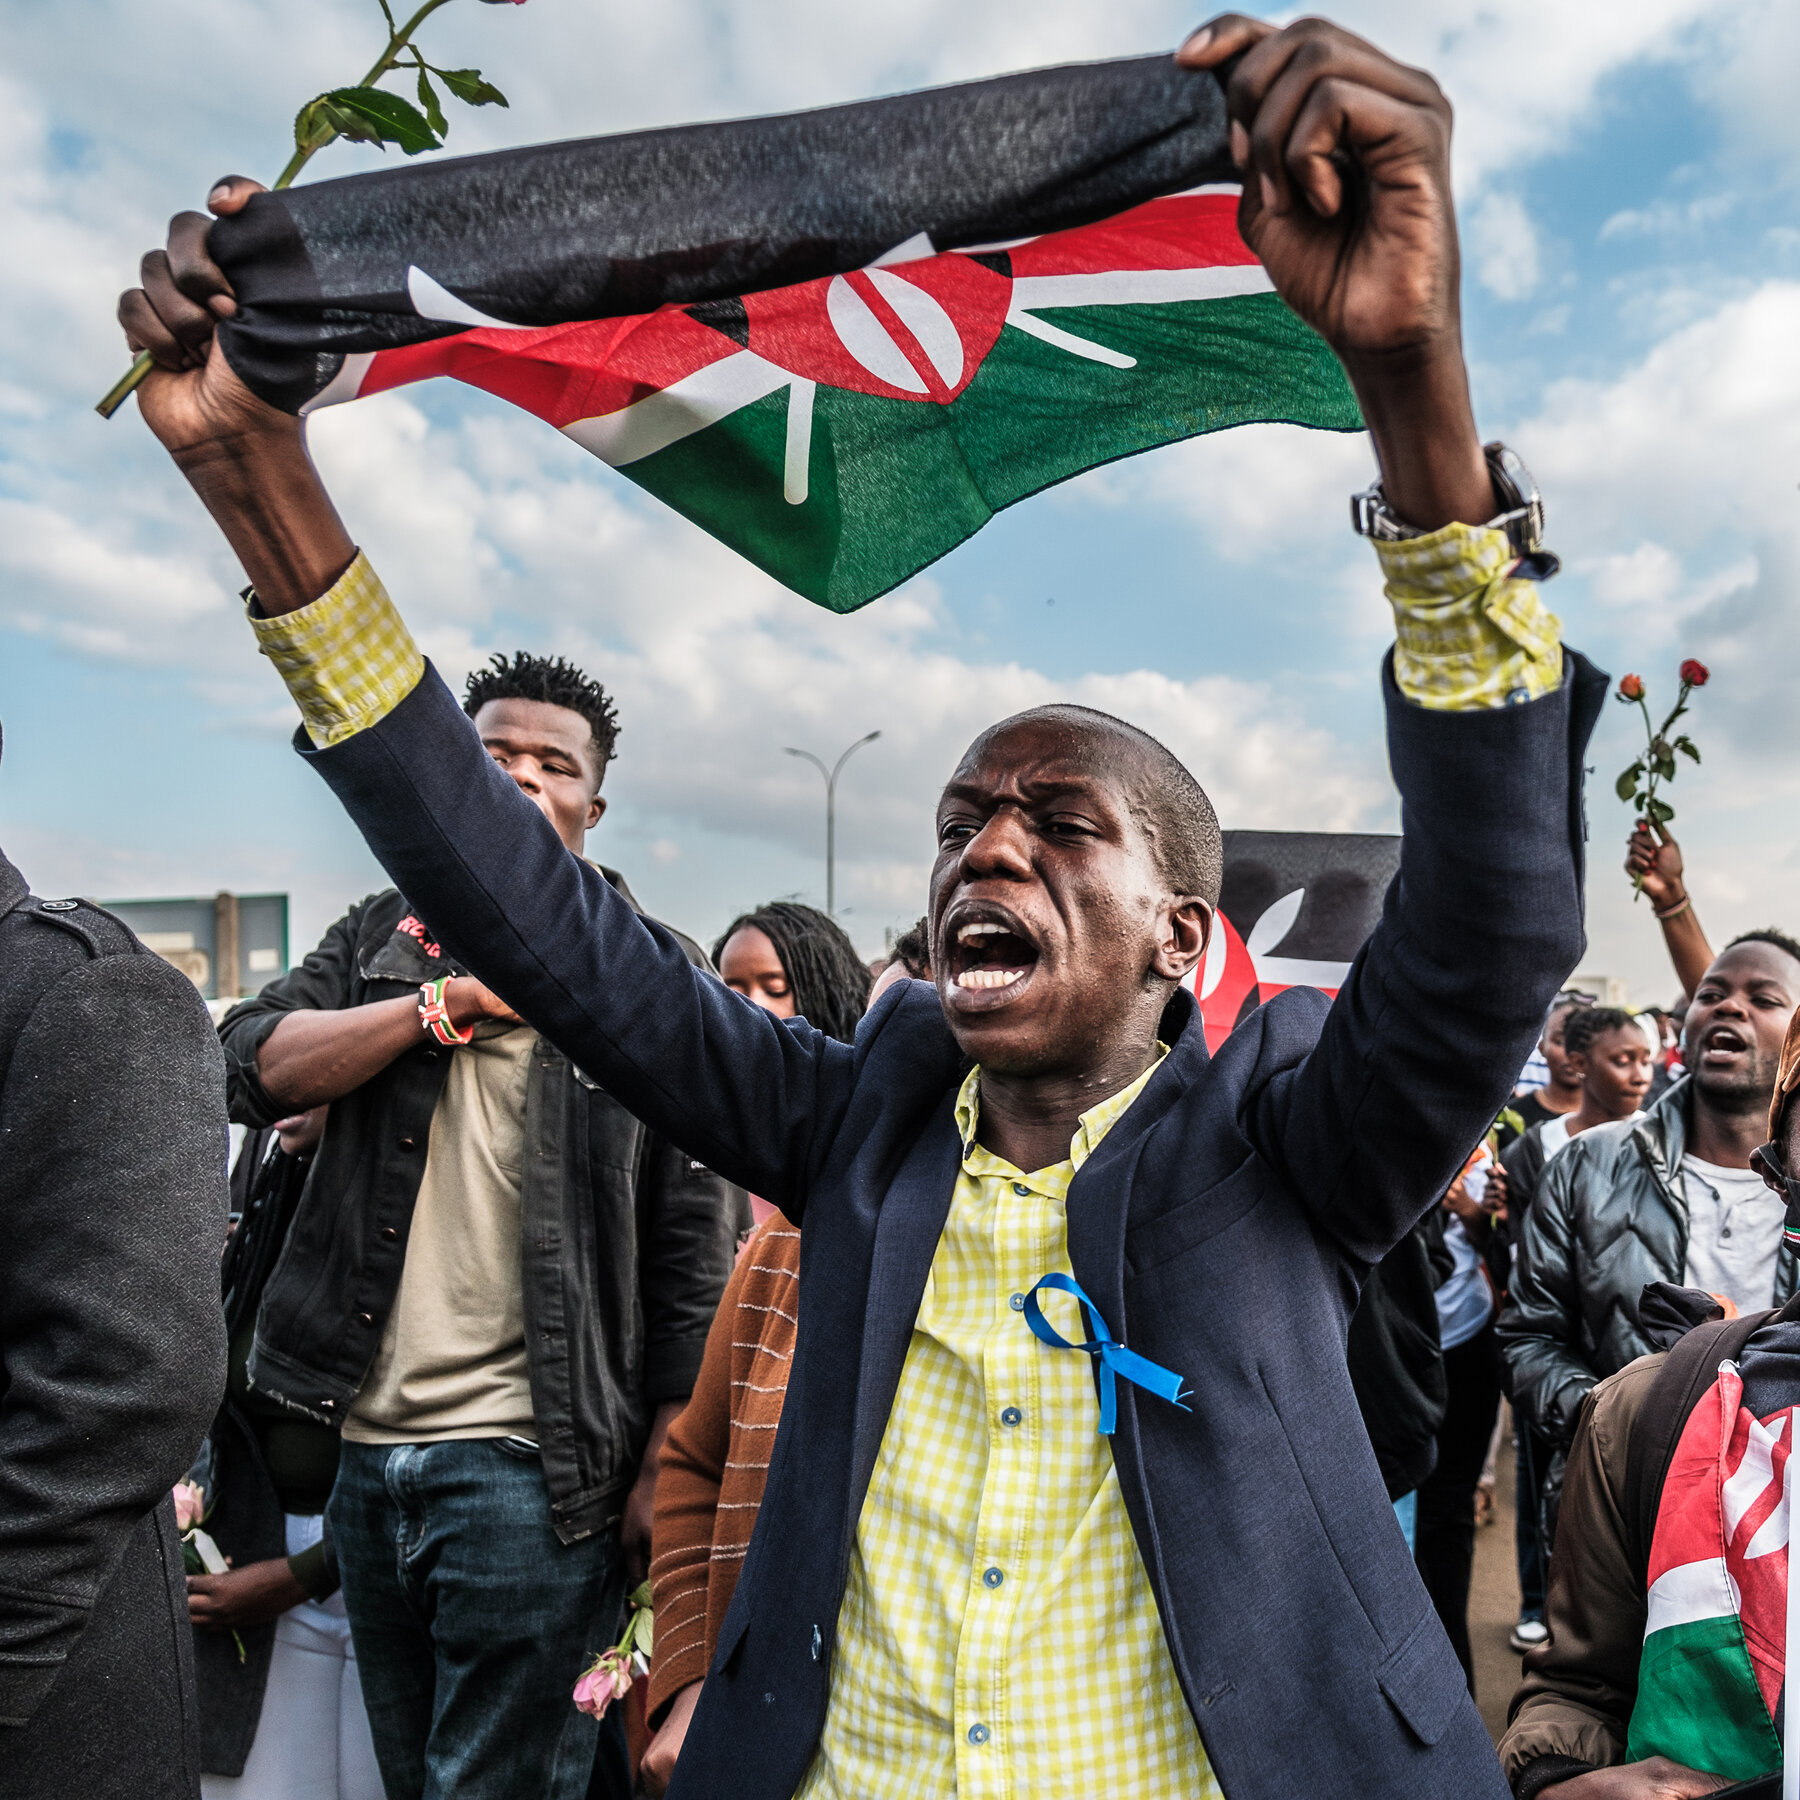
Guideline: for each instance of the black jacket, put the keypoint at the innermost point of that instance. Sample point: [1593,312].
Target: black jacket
[1223,1230]
[112,1349]
[626,1242]
[1609,1219]
[246,1510]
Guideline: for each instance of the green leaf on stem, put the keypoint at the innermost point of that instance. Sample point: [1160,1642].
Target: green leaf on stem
[314,124]
[467,85]
[1626,786]
[1688,748]
[434,113]
[1659,811]
[385,118]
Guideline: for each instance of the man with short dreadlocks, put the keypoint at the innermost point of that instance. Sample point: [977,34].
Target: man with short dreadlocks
[497,1285]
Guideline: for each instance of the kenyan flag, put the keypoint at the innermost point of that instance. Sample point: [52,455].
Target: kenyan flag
[846,432]
[1715,1641]
[839,341]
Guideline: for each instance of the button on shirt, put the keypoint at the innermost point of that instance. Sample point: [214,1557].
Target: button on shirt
[1734,1233]
[998,1639]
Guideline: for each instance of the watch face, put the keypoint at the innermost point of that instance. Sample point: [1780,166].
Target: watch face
[1509,471]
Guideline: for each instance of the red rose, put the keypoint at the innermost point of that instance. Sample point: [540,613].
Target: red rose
[1631,688]
[1695,674]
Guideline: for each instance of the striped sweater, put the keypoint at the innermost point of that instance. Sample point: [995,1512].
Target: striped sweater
[716,1459]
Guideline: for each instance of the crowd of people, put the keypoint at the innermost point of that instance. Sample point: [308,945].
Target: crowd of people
[996,1392]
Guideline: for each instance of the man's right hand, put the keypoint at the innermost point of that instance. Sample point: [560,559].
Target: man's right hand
[467,1001]
[1654,859]
[246,459]
[1656,1778]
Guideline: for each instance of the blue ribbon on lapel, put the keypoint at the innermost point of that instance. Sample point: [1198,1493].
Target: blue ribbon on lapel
[1112,1356]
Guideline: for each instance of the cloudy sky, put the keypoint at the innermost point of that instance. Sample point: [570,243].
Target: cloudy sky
[1627,180]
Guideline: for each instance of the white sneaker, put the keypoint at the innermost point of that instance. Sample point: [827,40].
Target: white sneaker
[1528,1634]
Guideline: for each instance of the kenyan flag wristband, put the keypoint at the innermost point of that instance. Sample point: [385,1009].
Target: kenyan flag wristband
[434,1015]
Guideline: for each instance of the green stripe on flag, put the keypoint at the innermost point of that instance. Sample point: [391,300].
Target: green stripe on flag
[895,484]
[1698,1702]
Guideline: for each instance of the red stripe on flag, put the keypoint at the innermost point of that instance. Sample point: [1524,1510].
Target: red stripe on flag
[564,372]
[1189,231]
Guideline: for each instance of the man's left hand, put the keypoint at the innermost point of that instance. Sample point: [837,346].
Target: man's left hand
[1345,155]
[1346,161]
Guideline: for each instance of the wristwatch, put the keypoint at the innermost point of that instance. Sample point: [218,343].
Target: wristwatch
[1521,514]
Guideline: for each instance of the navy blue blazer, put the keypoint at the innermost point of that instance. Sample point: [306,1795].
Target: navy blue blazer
[1223,1228]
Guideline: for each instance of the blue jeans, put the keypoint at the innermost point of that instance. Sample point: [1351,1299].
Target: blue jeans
[471,1620]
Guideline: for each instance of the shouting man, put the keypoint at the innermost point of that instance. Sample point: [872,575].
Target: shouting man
[957,1584]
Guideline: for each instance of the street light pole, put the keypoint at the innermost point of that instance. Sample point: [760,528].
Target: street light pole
[831,776]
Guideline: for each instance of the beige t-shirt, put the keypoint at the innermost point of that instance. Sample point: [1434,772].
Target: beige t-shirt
[452,1359]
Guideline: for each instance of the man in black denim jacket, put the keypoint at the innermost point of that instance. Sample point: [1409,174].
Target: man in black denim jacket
[497,1279]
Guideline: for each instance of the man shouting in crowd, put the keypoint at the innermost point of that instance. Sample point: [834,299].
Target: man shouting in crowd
[985,1565]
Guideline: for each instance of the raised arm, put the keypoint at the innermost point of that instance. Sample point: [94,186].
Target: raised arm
[1347,201]
[1655,859]
[752,1098]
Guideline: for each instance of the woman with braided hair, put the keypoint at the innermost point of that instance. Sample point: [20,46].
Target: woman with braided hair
[795,963]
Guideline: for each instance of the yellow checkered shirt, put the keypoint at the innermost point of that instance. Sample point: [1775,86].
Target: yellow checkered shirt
[998,1639]
[347,659]
[1467,634]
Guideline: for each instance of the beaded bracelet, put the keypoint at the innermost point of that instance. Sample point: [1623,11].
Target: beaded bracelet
[434,1015]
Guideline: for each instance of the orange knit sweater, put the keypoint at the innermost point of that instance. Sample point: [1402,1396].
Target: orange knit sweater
[716,1459]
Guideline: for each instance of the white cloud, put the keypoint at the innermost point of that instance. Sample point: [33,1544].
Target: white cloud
[1525,78]
[1504,245]
[1667,217]
[1247,488]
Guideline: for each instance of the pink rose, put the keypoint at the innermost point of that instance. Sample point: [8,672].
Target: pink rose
[608,1680]
[190,1506]
[1695,674]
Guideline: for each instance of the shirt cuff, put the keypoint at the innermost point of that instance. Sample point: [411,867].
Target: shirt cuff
[1468,634]
[347,659]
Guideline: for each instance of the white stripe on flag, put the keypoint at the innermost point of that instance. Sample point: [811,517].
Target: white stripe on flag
[796,470]
[1058,339]
[678,411]
[1139,287]
[432,300]
[344,385]
[1690,1592]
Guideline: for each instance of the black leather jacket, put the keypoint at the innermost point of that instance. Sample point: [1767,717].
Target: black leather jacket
[626,1242]
[1610,1217]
